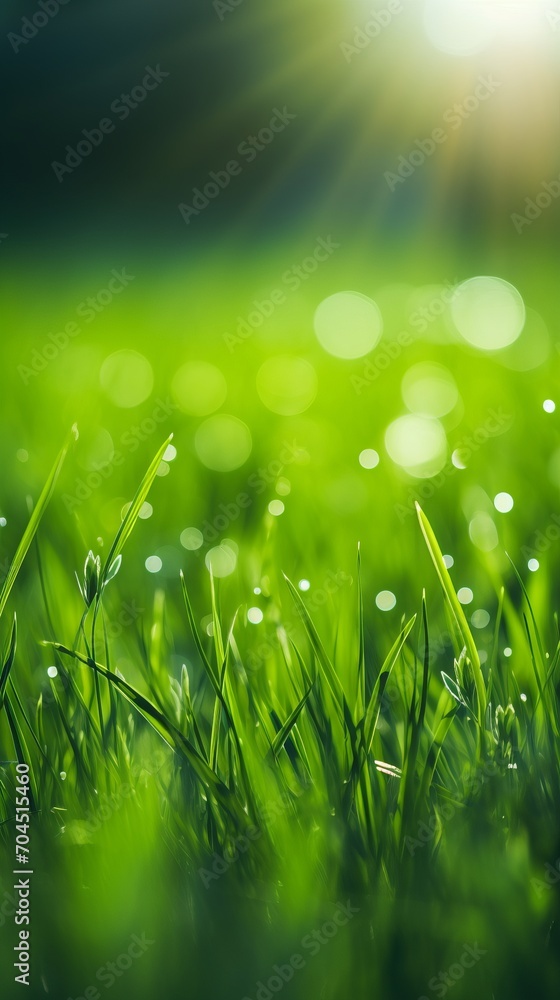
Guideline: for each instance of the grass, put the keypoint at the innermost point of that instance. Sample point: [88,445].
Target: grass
[226,810]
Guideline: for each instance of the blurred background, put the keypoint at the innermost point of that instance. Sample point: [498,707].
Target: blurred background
[277,237]
[317,242]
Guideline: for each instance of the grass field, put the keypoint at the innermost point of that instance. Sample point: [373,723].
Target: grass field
[279,500]
[263,733]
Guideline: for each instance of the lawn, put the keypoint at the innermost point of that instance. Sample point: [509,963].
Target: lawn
[263,733]
[279,503]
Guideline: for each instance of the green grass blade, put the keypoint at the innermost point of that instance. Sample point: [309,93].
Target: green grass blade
[133,512]
[532,614]
[200,648]
[457,611]
[374,706]
[216,719]
[406,796]
[27,721]
[20,746]
[331,677]
[361,705]
[34,521]
[286,729]
[173,736]
[216,621]
[9,661]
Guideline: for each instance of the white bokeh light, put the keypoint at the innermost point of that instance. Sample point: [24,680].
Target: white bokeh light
[457,460]
[386,600]
[127,378]
[348,325]
[221,560]
[480,618]
[153,564]
[488,312]
[199,388]
[417,444]
[223,442]
[287,385]
[483,532]
[503,502]
[191,539]
[429,389]
[369,458]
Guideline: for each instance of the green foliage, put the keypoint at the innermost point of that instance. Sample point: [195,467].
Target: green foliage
[374,748]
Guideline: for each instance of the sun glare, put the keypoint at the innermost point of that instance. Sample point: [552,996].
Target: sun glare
[466,27]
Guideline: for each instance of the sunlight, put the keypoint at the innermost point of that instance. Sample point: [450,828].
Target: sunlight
[466,27]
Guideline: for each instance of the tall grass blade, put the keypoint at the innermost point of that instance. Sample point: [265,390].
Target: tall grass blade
[374,706]
[172,736]
[331,677]
[457,611]
[132,514]
[9,661]
[35,520]
[286,729]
